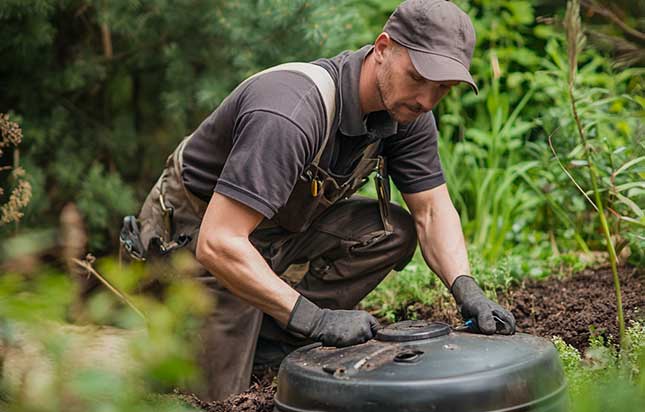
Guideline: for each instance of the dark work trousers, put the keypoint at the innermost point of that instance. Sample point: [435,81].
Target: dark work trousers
[347,251]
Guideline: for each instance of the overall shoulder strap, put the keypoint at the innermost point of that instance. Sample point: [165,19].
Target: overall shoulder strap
[327,88]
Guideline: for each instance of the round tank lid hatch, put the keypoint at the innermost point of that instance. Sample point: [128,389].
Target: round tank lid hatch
[410,330]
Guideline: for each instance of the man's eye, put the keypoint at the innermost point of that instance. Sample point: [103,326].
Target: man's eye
[417,78]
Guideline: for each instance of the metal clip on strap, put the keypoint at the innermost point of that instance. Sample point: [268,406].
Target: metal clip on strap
[162,245]
[129,237]
[158,247]
[382,183]
[166,212]
[315,187]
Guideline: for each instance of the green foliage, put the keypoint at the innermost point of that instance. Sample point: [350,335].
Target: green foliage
[575,43]
[99,205]
[484,137]
[107,89]
[50,364]
[415,284]
[43,300]
[606,379]
[611,112]
[494,148]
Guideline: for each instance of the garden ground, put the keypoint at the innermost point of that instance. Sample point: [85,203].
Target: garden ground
[573,308]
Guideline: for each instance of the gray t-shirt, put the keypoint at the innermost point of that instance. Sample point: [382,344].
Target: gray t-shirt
[256,144]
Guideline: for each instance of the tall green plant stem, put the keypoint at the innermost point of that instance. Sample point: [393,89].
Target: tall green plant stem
[601,214]
[575,40]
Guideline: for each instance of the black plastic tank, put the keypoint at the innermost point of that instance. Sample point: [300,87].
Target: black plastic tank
[415,366]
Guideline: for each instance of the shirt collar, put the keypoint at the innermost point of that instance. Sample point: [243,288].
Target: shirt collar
[351,117]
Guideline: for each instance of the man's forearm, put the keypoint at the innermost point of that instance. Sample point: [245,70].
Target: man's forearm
[243,271]
[444,249]
[442,242]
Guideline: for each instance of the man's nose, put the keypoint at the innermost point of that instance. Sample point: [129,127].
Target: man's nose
[427,101]
[428,98]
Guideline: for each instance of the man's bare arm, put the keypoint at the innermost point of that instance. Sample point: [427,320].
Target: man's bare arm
[440,233]
[444,249]
[225,250]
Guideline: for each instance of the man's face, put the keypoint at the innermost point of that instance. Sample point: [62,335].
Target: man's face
[404,93]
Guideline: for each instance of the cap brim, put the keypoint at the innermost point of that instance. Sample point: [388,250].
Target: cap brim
[440,68]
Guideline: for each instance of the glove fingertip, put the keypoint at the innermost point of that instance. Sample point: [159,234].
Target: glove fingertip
[374,325]
[509,328]
[486,324]
[507,321]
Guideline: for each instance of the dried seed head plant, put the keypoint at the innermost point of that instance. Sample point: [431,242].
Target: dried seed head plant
[20,194]
[11,132]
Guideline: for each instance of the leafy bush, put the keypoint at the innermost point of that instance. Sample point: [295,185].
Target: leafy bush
[611,112]
[605,379]
[51,364]
[512,197]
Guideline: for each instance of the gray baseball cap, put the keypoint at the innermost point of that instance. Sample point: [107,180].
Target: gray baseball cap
[439,36]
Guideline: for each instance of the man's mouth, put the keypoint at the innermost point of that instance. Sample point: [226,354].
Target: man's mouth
[415,110]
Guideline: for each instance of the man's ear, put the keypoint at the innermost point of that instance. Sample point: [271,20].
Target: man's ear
[382,45]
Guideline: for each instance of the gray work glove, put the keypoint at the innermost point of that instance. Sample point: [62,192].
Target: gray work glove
[474,305]
[331,327]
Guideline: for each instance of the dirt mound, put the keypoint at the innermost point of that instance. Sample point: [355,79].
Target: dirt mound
[575,307]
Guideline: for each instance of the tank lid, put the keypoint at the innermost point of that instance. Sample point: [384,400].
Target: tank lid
[410,330]
[457,371]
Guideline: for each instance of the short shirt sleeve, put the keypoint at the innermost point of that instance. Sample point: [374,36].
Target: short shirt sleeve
[269,154]
[413,157]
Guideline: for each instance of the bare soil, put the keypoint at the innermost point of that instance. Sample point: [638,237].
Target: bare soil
[573,308]
[578,307]
[259,397]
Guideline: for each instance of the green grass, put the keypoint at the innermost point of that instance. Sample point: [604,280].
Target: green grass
[417,284]
[414,284]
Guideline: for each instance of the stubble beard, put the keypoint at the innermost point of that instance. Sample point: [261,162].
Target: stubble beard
[383,80]
[383,86]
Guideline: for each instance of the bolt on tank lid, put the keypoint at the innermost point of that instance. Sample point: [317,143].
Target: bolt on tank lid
[411,330]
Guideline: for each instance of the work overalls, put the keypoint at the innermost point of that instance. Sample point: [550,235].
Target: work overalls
[350,245]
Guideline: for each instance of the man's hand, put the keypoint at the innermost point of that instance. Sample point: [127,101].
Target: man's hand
[332,327]
[473,304]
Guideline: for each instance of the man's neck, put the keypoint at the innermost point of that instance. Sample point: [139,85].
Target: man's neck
[368,95]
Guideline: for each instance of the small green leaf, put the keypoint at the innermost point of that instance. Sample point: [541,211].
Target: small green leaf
[630,185]
[628,164]
[578,163]
[631,204]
